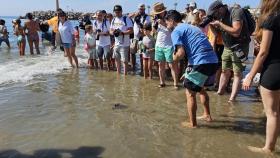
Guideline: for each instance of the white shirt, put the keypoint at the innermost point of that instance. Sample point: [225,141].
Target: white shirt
[163,37]
[103,40]
[90,39]
[118,23]
[2,30]
[66,32]
[136,28]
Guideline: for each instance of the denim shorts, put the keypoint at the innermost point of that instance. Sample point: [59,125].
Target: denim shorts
[103,51]
[67,45]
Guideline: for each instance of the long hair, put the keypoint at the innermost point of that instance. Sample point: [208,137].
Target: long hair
[268,8]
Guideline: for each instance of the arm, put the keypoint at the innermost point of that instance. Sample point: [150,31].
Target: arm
[179,53]
[235,30]
[264,50]
[128,31]
[112,31]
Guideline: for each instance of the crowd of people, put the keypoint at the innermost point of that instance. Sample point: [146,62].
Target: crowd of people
[201,48]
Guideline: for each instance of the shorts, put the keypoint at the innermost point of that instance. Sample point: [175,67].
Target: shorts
[231,61]
[270,77]
[67,45]
[121,53]
[149,55]
[199,76]
[6,40]
[103,51]
[92,54]
[164,54]
[20,39]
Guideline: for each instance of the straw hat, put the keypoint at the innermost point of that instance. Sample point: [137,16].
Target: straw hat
[158,8]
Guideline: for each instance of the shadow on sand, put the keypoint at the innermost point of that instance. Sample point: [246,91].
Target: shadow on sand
[239,124]
[82,152]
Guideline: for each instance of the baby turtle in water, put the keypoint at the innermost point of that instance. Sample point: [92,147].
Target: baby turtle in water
[119,106]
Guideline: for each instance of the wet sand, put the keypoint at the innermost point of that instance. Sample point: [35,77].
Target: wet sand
[72,112]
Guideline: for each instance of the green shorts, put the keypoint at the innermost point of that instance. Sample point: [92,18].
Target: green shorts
[231,62]
[164,54]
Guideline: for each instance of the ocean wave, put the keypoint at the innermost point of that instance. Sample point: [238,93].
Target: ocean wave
[28,67]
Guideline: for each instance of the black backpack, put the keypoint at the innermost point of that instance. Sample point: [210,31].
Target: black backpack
[251,23]
[44,27]
[131,36]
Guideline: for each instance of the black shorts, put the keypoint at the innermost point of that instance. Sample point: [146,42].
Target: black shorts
[199,76]
[270,77]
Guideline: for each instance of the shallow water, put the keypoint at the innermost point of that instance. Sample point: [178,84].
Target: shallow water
[50,111]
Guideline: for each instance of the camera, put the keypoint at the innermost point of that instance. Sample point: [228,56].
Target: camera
[239,53]
[206,21]
[98,31]
[157,17]
[117,32]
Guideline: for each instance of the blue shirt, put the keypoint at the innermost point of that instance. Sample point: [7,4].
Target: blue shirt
[197,47]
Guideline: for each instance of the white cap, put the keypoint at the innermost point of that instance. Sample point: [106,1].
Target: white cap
[195,11]
[142,5]
[193,4]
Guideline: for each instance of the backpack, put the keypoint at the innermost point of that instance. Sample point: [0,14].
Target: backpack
[44,27]
[144,18]
[104,23]
[131,36]
[251,23]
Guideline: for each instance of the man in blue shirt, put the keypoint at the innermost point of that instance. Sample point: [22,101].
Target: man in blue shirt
[190,42]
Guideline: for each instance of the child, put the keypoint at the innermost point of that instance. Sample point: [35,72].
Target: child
[4,34]
[148,51]
[77,34]
[21,40]
[90,47]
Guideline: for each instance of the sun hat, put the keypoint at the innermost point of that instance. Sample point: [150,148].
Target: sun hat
[158,8]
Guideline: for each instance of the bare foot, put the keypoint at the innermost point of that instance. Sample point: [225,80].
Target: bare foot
[206,118]
[187,125]
[231,100]
[259,150]
[220,93]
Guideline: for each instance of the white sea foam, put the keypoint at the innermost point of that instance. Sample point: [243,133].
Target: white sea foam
[26,68]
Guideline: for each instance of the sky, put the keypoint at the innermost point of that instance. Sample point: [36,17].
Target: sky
[20,7]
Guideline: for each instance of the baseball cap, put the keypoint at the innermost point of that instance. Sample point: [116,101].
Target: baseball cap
[141,6]
[117,8]
[213,7]
[193,4]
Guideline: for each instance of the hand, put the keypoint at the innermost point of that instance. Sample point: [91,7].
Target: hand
[175,58]
[216,23]
[247,82]
[160,21]
[182,78]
